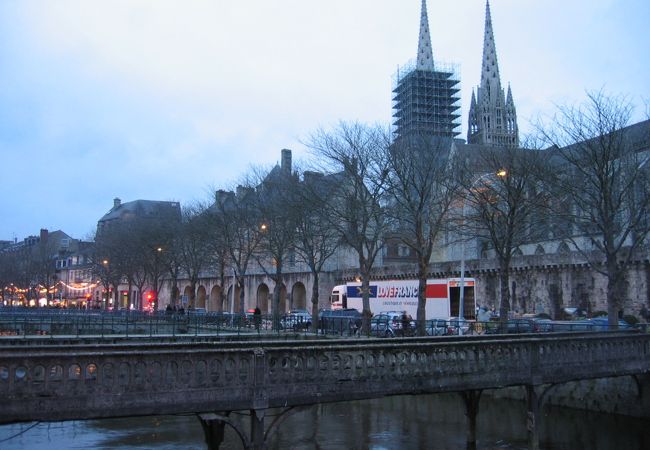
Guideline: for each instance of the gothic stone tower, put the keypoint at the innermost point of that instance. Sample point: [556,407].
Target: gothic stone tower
[425,100]
[492,116]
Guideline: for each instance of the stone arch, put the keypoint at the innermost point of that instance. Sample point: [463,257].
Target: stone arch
[175,295]
[233,302]
[283,299]
[539,250]
[199,301]
[215,300]
[517,252]
[187,292]
[263,298]
[563,248]
[228,300]
[299,296]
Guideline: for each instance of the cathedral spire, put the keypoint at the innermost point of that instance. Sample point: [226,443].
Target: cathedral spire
[490,70]
[425,54]
[492,117]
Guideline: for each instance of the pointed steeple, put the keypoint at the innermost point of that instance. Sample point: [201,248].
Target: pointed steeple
[492,117]
[425,54]
[473,116]
[490,69]
[425,101]
[509,100]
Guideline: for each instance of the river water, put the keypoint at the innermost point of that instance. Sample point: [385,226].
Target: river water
[405,422]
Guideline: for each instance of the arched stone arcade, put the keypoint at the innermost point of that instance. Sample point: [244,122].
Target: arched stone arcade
[298,296]
[263,298]
[187,293]
[199,302]
[215,301]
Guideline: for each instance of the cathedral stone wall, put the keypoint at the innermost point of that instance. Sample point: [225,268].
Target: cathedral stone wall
[539,283]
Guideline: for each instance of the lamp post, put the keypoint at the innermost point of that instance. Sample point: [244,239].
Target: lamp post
[156,275]
[461,303]
[107,285]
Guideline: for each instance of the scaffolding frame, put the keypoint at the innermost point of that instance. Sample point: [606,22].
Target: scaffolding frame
[426,102]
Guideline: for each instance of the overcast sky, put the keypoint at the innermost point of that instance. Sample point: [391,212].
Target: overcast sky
[169,99]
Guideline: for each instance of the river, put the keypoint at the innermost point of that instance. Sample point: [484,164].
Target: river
[405,422]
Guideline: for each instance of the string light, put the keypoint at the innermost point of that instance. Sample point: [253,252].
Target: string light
[82,288]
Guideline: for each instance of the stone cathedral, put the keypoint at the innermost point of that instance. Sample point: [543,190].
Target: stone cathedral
[426,96]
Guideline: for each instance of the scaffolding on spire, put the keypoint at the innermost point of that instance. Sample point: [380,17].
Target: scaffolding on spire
[426,98]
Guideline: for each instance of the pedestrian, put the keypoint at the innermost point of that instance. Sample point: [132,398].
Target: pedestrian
[257,317]
[406,323]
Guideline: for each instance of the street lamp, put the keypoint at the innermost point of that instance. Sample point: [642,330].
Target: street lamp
[461,303]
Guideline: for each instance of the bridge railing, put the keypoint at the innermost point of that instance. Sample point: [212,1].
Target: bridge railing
[58,383]
[42,322]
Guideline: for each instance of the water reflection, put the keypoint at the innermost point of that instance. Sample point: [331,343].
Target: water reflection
[406,422]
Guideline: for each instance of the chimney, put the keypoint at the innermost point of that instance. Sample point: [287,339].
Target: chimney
[116,202]
[243,191]
[221,196]
[44,235]
[286,160]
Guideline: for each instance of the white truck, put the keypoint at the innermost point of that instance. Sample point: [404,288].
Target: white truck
[442,297]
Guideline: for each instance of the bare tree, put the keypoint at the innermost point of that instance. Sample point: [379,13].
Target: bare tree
[357,153]
[423,183]
[131,261]
[278,215]
[316,239]
[8,274]
[194,254]
[43,259]
[172,260]
[107,262]
[602,175]
[500,204]
[236,215]
[219,249]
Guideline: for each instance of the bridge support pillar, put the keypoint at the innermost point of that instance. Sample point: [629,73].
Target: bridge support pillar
[471,399]
[257,429]
[643,382]
[213,430]
[533,403]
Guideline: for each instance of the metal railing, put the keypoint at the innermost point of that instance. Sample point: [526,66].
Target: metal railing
[28,322]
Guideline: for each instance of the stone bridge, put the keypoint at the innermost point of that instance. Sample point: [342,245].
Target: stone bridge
[64,382]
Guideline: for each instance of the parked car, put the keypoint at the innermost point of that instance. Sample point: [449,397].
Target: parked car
[520,325]
[454,324]
[568,325]
[602,324]
[341,321]
[437,327]
[390,324]
[296,319]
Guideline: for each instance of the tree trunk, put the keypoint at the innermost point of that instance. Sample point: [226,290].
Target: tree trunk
[422,298]
[275,309]
[222,293]
[615,281]
[192,294]
[504,286]
[365,295]
[314,303]
[128,296]
[116,298]
[242,306]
